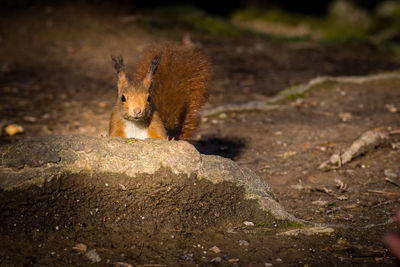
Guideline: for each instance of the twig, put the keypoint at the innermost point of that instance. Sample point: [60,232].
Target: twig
[366,142]
[391,181]
[382,203]
[381,192]
[394,132]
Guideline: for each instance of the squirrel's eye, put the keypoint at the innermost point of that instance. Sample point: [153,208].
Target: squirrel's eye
[123,99]
[148,99]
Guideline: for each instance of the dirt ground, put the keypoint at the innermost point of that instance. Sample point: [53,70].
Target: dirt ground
[56,78]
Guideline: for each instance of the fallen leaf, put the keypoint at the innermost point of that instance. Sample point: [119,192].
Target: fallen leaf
[80,247]
[14,129]
[391,108]
[215,249]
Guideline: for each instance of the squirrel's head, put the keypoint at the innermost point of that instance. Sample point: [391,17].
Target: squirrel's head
[134,96]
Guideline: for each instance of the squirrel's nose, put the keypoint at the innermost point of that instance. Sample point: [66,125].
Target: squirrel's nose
[137,111]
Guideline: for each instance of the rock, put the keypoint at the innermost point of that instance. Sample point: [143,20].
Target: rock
[14,129]
[93,256]
[36,160]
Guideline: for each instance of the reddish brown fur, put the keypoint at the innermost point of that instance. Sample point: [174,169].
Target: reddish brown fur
[116,124]
[179,86]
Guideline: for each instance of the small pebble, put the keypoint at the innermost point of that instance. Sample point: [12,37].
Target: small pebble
[267,264]
[216,260]
[297,187]
[247,223]
[187,256]
[222,116]
[244,243]
[46,116]
[123,188]
[30,119]
[93,256]
[345,116]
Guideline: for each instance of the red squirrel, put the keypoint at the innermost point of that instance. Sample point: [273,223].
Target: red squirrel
[164,97]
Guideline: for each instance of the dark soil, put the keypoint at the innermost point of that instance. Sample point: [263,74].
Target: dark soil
[56,78]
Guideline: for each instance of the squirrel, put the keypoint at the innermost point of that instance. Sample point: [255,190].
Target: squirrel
[164,98]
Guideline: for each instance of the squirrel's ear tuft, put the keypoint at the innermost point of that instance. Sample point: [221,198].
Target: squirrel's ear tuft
[118,63]
[151,71]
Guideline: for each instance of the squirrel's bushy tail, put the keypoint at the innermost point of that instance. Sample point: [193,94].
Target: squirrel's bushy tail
[180,86]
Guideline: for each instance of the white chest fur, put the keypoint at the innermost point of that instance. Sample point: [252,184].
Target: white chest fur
[132,130]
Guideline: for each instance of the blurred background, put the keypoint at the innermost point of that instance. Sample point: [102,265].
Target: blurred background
[55,70]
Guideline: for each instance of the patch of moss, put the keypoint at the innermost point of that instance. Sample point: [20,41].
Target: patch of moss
[213,26]
[331,204]
[326,30]
[69,231]
[336,32]
[196,19]
[273,15]
[277,37]
[295,95]
[129,140]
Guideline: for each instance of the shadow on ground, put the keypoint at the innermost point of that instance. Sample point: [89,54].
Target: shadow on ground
[228,147]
